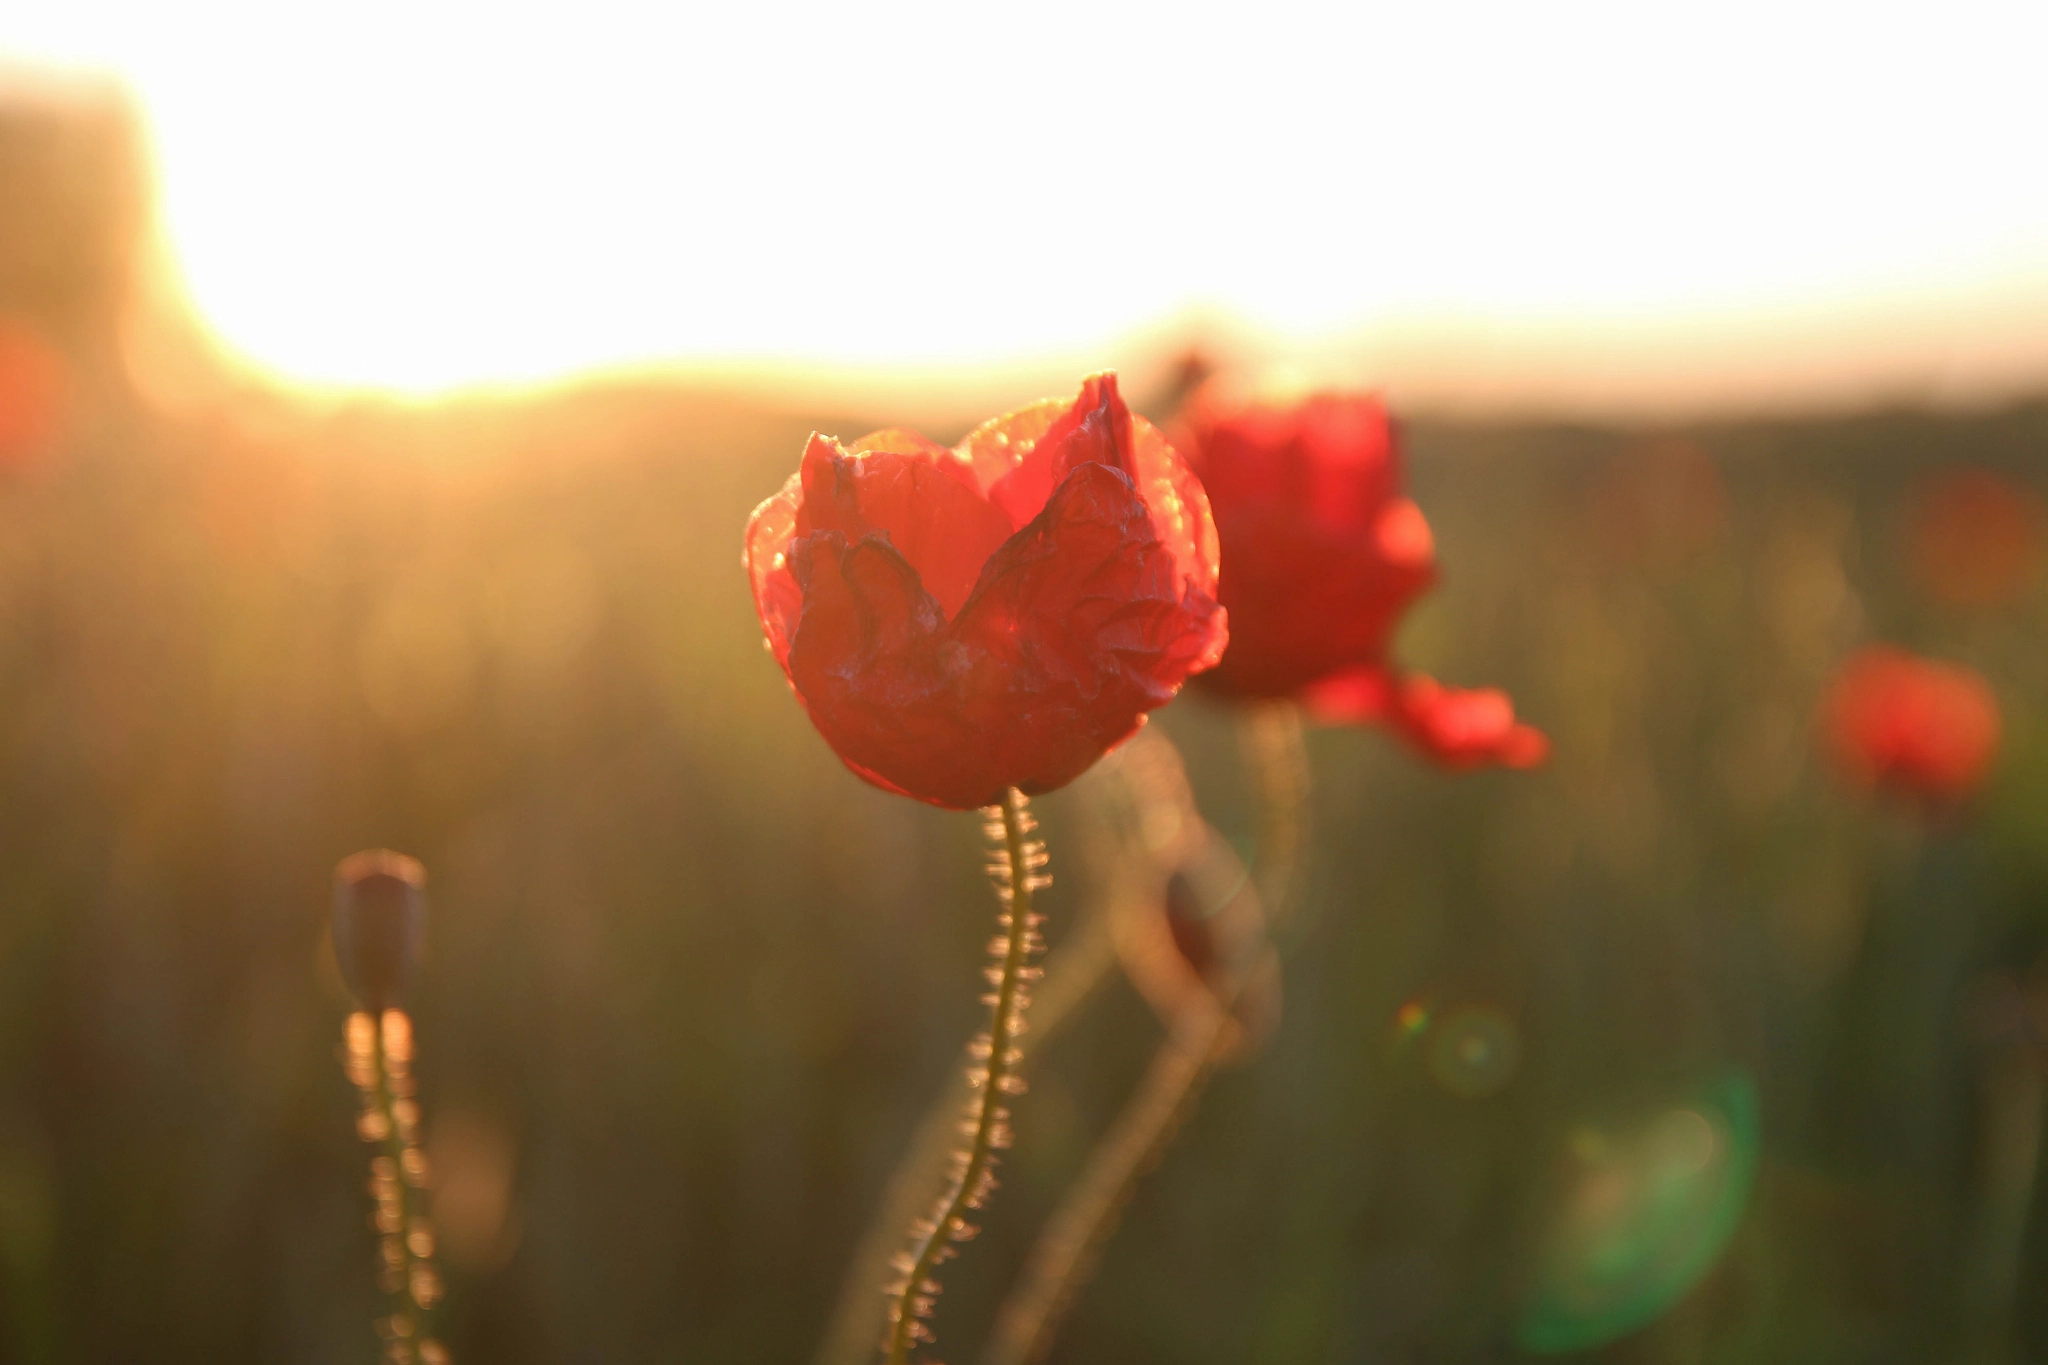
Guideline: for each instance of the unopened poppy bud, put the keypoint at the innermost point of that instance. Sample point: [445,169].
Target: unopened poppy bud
[380,922]
[1197,936]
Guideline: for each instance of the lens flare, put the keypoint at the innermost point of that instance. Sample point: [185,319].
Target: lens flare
[1644,1208]
[1410,1021]
[1474,1052]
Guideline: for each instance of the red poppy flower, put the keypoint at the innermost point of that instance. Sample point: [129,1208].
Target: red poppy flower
[1924,728]
[1977,538]
[1322,554]
[1000,614]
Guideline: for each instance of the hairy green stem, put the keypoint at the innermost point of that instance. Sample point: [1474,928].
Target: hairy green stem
[380,1063]
[2010,1161]
[1065,1253]
[1072,972]
[993,1074]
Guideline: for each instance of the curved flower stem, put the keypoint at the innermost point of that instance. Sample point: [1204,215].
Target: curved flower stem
[1066,1251]
[2011,1162]
[993,1074]
[1072,972]
[1065,1254]
[1271,740]
[380,1064]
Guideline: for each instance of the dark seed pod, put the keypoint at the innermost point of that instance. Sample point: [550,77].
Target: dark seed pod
[1190,921]
[380,924]
[1191,932]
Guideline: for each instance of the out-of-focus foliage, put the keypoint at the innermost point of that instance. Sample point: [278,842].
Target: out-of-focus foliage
[691,984]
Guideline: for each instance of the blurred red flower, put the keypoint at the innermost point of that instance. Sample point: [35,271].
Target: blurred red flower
[1658,503]
[1977,538]
[1895,720]
[1000,614]
[1322,554]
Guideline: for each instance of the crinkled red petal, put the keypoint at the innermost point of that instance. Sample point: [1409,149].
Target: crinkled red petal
[1334,456]
[919,494]
[1304,601]
[1353,696]
[1322,555]
[1020,456]
[777,597]
[1465,728]
[1082,622]
[866,657]
[1182,519]
[1455,727]
[1094,429]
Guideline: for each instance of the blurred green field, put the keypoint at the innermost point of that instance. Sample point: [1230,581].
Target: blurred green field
[692,984]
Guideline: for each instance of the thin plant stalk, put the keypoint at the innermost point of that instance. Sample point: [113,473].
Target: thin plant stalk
[992,1072]
[1271,740]
[380,1064]
[1201,1037]
[1066,1252]
[1072,971]
[2011,1162]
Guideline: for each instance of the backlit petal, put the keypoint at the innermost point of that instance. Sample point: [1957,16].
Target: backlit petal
[777,597]
[1465,728]
[1042,447]
[919,494]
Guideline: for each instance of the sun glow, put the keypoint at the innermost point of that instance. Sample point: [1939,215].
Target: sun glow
[422,196]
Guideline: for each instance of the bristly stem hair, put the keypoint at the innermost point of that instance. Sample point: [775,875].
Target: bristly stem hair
[1018,867]
[1084,959]
[1066,1252]
[380,1063]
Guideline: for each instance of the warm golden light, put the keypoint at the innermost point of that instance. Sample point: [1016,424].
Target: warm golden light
[421,196]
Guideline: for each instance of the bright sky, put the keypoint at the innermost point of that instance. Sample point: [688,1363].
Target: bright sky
[421,195]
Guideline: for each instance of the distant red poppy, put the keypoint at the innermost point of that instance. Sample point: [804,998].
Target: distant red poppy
[1000,614]
[1977,538]
[1322,554]
[1910,724]
[1657,503]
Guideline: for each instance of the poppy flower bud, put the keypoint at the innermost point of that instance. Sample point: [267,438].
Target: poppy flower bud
[1192,932]
[1188,924]
[1929,730]
[1000,614]
[380,924]
[1322,554]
